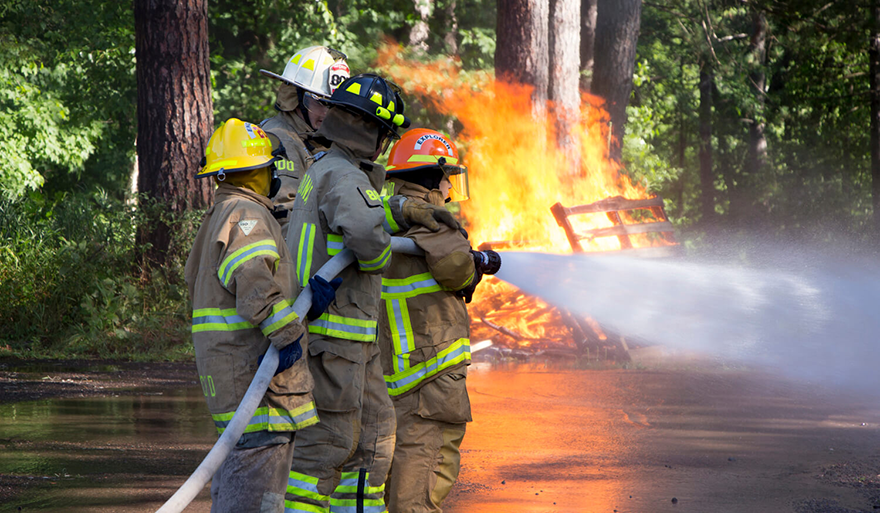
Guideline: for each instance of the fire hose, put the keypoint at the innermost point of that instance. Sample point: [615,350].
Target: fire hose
[188,491]
[197,481]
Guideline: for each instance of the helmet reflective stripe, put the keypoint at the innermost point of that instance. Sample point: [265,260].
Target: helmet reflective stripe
[317,69]
[432,159]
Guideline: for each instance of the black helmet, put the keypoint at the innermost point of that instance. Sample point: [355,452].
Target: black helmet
[374,96]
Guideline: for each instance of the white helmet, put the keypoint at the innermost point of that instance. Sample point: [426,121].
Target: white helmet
[317,69]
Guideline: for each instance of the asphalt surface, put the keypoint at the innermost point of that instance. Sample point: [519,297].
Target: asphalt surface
[545,438]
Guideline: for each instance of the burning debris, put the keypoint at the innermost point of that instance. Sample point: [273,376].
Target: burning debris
[516,174]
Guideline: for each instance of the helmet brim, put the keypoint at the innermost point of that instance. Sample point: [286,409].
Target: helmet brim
[276,76]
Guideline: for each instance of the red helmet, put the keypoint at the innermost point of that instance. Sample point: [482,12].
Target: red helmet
[423,149]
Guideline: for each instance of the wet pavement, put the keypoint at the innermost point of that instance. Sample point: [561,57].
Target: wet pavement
[545,438]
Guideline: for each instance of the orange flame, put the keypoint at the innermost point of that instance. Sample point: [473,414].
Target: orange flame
[516,175]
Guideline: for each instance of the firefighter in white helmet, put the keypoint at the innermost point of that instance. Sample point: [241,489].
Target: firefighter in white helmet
[424,327]
[309,78]
[240,280]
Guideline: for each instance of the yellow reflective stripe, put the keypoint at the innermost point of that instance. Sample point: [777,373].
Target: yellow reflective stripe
[390,224]
[222,163]
[215,319]
[231,263]
[304,253]
[282,315]
[401,332]
[348,505]
[377,98]
[354,88]
[309,65]
[432,159]
[272,419]
[376,263]
[344,327]
[467,281]
[400,382]
[334,244]
[250,143]
[305,186]
[301,507]
[296,58]
[412,286]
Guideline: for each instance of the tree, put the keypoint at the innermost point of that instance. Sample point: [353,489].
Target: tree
[418,35]
[707,178]
[522,47]
[564,90]
[174,108]
[617,32]
[588,41]
[874,74]
[758,51]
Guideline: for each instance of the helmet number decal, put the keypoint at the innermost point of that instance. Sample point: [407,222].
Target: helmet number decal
[339,73]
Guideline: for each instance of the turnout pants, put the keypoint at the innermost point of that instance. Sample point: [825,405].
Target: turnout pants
[252,480]
[430,427]
[341,463]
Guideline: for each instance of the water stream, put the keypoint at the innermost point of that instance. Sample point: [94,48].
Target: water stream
[816,321]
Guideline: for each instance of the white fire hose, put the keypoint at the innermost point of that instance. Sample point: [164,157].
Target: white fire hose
[186,493]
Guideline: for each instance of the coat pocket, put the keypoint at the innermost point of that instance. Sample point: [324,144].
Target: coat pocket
[445,399]
[338,376]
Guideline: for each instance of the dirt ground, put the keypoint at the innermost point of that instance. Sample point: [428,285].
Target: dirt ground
[545,438]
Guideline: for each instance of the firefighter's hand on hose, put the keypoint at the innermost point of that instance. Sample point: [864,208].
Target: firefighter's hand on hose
[289,354]
[407,212]
[323,293]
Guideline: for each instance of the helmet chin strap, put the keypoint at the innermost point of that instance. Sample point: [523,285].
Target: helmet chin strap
[301,108]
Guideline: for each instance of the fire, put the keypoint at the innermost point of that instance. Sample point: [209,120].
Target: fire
[516,175]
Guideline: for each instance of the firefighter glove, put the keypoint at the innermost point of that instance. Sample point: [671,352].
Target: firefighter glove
[408,212]
[323,293]
[287,356]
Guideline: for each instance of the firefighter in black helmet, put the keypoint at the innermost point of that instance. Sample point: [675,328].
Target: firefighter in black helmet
[342,462]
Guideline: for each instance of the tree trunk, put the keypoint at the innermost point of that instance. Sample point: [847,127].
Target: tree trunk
[451,37]
[564,91]
[522,46]
[874,73]
[617,32]
[418,35]
[758,49]
[174,108]
[707,180]
[588,40]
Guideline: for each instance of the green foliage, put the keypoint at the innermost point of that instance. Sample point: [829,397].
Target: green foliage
[67,94]
[814,183]
[70,282]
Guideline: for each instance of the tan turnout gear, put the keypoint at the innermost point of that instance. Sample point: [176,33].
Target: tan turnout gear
[294,134]
[337,206]
[423,338]
[240,278]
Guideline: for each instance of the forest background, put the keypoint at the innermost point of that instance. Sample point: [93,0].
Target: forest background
[749,117]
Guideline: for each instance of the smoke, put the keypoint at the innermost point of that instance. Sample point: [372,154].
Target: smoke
[819,323]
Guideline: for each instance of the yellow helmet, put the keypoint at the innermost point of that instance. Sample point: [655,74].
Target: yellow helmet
[236,145]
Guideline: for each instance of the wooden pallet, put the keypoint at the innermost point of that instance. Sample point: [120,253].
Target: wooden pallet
[612,208]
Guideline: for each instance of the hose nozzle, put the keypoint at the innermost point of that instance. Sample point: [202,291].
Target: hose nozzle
[488,261]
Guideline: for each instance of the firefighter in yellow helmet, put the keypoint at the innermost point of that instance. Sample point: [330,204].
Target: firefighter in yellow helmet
[309,78]
[424,328]
[240,280]
[340,465]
